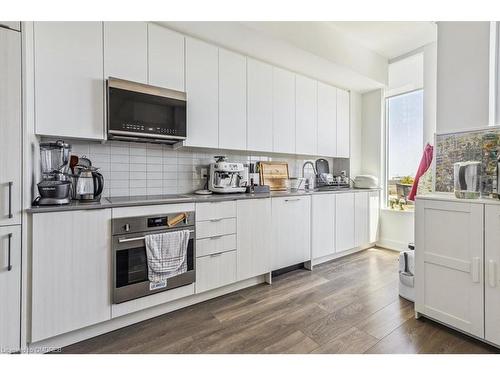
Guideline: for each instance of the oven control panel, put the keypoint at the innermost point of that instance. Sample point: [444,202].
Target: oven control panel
[157,221]
[148,223]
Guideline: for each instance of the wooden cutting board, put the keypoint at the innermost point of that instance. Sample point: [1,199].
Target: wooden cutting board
[274,174]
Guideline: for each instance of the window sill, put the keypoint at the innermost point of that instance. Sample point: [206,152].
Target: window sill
[397,211]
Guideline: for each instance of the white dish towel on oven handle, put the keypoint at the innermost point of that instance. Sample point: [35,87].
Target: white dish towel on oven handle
[166,254]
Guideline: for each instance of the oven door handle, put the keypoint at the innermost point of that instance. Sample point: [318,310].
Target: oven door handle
[123,240]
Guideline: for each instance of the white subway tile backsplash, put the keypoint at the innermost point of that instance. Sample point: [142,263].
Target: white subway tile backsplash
[140,169]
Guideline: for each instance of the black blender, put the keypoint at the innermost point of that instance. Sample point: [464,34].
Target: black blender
[55,187]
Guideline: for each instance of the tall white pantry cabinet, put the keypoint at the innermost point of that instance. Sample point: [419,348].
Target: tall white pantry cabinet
[10,190]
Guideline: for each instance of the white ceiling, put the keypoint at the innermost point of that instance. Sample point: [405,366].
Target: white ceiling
[389,39]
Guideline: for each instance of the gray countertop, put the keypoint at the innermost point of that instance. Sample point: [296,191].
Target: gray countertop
[180,198]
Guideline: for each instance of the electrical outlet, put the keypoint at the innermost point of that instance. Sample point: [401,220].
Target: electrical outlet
[204,172]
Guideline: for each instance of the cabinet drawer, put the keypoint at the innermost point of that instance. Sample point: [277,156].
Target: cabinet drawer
[215,227]
[215,210]
[216,270]
[215,245]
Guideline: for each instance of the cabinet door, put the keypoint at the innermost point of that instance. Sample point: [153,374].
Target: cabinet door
[126,50]
[449,263]
[361,219]
[327,120]
[71,271]
[165,58]
[254,237]
[344,223]
[10,288]
[291,218]
[283,111]
[323,225]
[69,79]
[343,124]
[306,109]
[216,270]
[10,127]
[202,85]
[232,100]
[492,274]
[259,106]
[374,216]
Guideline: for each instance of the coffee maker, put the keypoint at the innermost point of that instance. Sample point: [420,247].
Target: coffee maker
[227,177]
[55,187]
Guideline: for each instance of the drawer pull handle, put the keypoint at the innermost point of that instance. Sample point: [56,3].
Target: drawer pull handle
[10,199]
[475,269]
[9,265]
[292,200]
[216,237]
[216,220]
[215,255]
[492,268]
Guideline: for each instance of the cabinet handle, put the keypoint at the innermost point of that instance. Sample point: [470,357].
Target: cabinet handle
[492,268]
[292,200]
[9,265]
[215,237]
[10,199]
[215,220]
[475,269]
[215,255]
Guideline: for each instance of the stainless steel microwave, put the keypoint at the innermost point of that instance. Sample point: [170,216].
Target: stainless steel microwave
[144,113]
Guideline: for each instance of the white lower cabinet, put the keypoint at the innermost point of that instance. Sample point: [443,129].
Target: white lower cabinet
[291,223]
[71,271]
[345,222]
[323,225]
[254,233]
[215,270]
[492,274]
[374,215]
[449,263]
[361,219]
[10,288]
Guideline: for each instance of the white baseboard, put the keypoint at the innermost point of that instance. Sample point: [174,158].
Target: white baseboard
[392,245]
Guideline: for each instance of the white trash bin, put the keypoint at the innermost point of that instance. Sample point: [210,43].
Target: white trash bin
[407,273]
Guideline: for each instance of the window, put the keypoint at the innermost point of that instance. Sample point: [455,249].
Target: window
[404,121]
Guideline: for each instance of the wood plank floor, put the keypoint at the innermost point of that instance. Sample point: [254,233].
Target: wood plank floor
[350,305]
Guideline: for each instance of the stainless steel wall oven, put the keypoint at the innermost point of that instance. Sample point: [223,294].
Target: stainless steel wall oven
[130,267]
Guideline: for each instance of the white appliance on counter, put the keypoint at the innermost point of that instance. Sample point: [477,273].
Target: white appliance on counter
[227,177]
[365,181]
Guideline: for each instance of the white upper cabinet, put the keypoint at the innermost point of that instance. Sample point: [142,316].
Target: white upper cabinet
[69,79]
[259,106]
[202,89]
[126,50]
[306,109]
[165,58]
[327,120]
[343,124]
[232,100]
[283,111]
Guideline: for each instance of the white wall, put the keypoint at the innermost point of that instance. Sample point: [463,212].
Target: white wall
[462,75]
[371,137]
[267,45]
[396,229]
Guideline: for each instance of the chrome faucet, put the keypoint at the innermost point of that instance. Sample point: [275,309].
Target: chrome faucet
[308,182]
